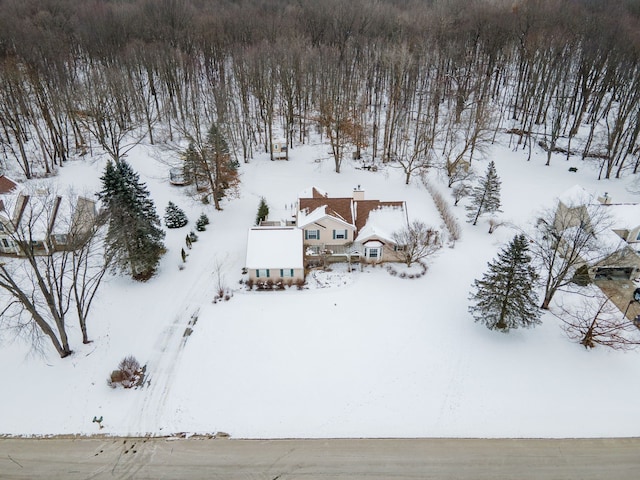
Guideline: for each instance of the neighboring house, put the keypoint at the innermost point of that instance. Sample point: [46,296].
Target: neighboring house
[280,150]
[44,223]
[617,256]
[7,185]
[274,254]
[342,228]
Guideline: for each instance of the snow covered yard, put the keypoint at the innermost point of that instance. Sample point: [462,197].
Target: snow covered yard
[367,355]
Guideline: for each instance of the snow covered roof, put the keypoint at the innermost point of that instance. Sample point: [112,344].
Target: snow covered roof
[382,222]
[624,216]
[313,192]
[576,196]
[313,209]
[609,243]
[274,247]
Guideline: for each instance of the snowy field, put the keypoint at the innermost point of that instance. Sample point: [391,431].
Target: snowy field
[361,354]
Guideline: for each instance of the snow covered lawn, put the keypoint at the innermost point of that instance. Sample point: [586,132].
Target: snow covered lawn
[356,354]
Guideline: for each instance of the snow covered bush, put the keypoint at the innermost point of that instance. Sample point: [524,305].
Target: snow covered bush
[129,374]
[174,217]
[202,222]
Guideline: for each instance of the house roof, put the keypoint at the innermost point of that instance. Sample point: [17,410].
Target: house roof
[274,247]
[364,208]
[371,218]
[313,192]
[340,208]
[576,196]
[41,214]
[7,185]
[624,216]
[381,219]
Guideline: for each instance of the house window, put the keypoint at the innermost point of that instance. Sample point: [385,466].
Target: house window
[312,234]
[399,248]
[262,272]
[373,252]
[1,227]
[340,234]
[60,239]
[638,236]
[286,272]
[5,243]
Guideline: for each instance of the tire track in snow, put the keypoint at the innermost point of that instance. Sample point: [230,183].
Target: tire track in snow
[453,391]
[163,365]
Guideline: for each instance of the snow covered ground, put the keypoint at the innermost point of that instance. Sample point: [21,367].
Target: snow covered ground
[360,354]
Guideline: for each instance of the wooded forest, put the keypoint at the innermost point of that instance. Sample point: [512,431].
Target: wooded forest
[420,83]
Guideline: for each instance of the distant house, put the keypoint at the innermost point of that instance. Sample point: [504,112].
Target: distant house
[618,255]
[274,254]
[7,185]
[43,223]
[280,150]
[339,228]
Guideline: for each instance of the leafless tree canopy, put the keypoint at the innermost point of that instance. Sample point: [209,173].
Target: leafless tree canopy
[564,240]
[51,275]
[417,83]
[417,241]
[597,321]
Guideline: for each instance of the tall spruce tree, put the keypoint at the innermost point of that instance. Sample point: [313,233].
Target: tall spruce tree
[485,197]
[221,169]
[505,298]
[263,211]
[134,238]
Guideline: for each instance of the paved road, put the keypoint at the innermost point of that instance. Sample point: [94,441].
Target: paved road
[196,458]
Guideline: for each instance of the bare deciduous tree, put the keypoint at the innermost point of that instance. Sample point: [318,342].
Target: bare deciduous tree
[564,239]
[53,270]
[416,242]
[597,321]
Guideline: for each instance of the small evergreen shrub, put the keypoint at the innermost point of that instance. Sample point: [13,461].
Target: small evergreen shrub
[193,237]
[174,217]
[202,222]
[581,277]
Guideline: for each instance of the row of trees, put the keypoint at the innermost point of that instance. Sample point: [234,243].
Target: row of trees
[420,84]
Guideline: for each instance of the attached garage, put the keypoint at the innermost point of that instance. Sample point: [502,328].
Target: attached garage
[614,273]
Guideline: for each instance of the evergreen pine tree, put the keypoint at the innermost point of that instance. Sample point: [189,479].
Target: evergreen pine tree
[174,216]
[263,211]
[191,167]
[505,298]
[134,237]
[202,222]
[223,171]
[217,142]
[485,197]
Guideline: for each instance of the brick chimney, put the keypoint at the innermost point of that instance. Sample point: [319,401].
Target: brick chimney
[358,193]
